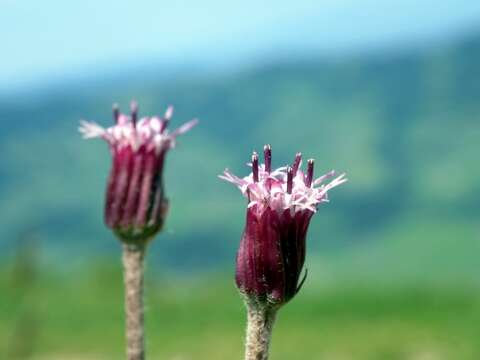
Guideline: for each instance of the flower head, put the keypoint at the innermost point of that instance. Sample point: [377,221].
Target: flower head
[281,203]
[135,205]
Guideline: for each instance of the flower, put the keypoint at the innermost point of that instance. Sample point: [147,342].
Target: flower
[281,204]
[135,205]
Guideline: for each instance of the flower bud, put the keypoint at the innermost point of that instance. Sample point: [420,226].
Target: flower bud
[135,202]
[281,204]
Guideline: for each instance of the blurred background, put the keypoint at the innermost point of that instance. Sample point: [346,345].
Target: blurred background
[387,91]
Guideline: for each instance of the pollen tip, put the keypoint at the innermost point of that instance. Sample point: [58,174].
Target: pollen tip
[255,166]
[134,106]
[289,179]
[116,112]
[267,157]
[296,163]
[168,113]
[309,177]
[134,111]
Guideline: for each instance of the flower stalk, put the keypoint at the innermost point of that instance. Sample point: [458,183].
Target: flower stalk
[133,259]
[272,250]
[135,201]
[260,320]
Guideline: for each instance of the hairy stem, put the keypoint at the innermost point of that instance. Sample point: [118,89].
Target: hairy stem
[260,321]
[133,256]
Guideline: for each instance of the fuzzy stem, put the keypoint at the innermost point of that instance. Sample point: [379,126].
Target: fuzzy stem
[133,256]
[260,321]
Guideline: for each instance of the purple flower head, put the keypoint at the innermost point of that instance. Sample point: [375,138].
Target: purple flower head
[281,203]
[135,205]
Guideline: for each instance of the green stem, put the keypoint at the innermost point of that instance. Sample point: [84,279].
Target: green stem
[133,258]
[260,320]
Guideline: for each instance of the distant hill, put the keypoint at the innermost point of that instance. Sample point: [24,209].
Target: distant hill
[405,127]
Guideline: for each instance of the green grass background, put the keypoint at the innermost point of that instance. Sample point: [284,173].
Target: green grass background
[80,316]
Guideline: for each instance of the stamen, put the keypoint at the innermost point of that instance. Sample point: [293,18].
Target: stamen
[166,118]
[296,163]
[267,156]
[309,177]
[168,113]
[134,112]
[116,112]
[289,180]
[255,166]
[163,125]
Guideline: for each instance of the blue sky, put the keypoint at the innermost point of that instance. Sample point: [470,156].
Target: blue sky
[49,39]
